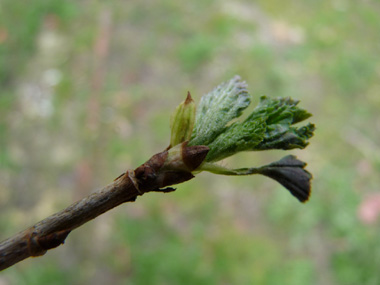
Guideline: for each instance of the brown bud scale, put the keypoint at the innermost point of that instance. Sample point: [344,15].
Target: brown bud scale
[193,156]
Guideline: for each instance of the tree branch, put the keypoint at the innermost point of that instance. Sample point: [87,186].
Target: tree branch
[163,169]
[52,231]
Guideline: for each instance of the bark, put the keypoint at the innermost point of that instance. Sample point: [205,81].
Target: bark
[163,169]
[52,231]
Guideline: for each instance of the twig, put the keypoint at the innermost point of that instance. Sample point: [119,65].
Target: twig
[52,231]
[163,169]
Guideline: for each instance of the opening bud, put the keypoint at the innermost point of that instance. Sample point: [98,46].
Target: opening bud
[182,121]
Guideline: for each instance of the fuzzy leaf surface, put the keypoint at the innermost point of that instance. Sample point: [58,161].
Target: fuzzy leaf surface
[236,138]
[279,115]
[216,109]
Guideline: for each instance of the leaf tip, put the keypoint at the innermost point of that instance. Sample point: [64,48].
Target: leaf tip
[188,99]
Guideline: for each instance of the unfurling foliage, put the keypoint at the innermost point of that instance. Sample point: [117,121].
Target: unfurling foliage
[271,125]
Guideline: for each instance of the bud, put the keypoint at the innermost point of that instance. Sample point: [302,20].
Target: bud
[185,158]
[182,122]
[193,156]
[169,167]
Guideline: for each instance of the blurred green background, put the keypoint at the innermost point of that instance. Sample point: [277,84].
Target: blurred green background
[86,92]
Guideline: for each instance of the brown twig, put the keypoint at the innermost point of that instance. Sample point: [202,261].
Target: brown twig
[166,168]
[52,231]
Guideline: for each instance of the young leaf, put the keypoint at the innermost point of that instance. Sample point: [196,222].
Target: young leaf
[279,110]
[269,126]
[280,137]
[288,171]
[217,109]
[279,114]
[237,137]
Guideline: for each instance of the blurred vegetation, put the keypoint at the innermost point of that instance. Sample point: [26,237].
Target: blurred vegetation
[87,88]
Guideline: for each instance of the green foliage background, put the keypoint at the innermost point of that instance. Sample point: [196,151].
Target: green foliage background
[87,88]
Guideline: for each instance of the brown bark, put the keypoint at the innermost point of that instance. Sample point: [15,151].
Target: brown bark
[52,231]
[163,169]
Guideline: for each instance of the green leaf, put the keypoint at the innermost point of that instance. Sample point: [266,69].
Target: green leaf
[216,109]
[279,110]
[286,137]
[269,126]
[279,115]
[236,138]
